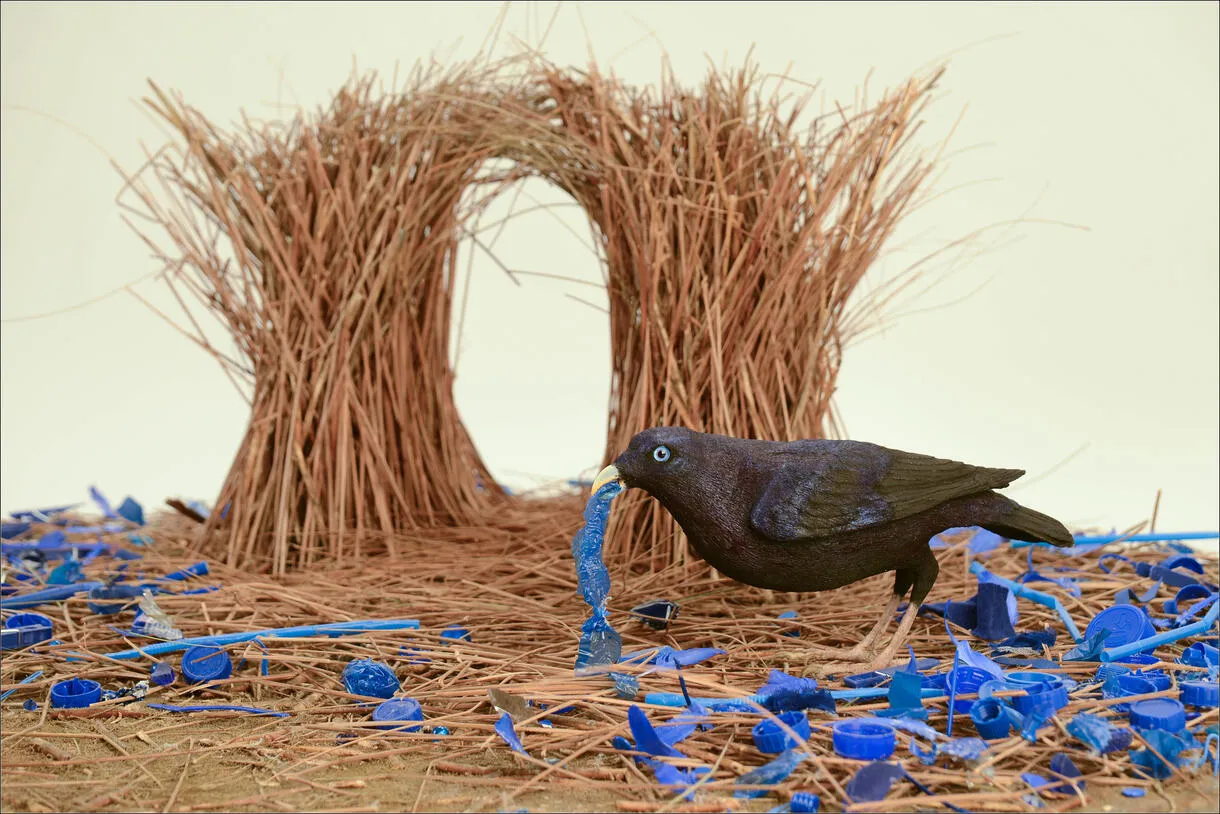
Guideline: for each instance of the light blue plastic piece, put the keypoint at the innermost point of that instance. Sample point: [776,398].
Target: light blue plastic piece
[676,699]
[1152,642]
[52,594]
[303,631]
[1134,538]
[1026,592]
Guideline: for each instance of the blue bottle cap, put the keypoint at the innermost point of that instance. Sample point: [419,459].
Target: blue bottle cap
[1158,713]
[863,740]
[399,709]
[162,674]
[771,740]
[1027,677]
[1199,693]
[1200,654]
[75,693]
[456,632]
[1125,623]
[25,629]
[990,719]
[803,802]
[370,678]
[205,663]
[1110,670]
[966,681]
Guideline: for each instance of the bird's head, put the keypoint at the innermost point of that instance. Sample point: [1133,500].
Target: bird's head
[658,461]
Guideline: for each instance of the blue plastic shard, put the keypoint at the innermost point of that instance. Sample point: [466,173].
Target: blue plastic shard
[102,503]
[906,695]
[1089,650]
[69,573]
[1194,610]
[1169,745]
[1097,733]
[130,510]
[987,578]
[218,708]
[1133,791]
[626,686]
[1063,766]
[1034,639]
[768,774]
[646,738]
[993,622]
[984,541]
[683,725]
[11,531]
[682,780]
[973,658]
[873,782]
[505,729]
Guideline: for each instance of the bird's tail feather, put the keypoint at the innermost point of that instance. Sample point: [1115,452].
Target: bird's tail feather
[1031,527]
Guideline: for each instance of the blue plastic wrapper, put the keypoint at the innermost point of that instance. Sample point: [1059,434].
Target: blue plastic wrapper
[1097,733]
[1169,745]
[646,738]
[130,510]
[600,643]
[1063,766]
[1031,639]
[1090,649]
[505,729]
[102,503]
[682,780]
[786,693]
[873,782]
[993,621]
[626,686]
[768,774]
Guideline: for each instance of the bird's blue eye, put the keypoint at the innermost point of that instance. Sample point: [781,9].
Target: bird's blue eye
[660,454]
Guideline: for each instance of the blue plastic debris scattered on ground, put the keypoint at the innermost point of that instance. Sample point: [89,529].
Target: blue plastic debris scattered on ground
[1098,733]
[505,729]
[768,774]
[1133,791]
[784,693]
[871,783]
[600,643]
[370,678]
[219,708]
[626,686]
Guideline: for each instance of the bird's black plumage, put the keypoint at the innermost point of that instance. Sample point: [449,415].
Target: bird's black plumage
[816,515]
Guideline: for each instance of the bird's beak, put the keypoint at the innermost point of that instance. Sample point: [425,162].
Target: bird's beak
[608,474]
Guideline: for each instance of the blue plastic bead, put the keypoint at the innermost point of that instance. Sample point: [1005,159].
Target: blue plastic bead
[162,674]
[1199,693]
[771,740]
[205,663]
[1158,713]
[440,730]
[990,719]
[370,678]
[399,709]
[862,740]
[75,693]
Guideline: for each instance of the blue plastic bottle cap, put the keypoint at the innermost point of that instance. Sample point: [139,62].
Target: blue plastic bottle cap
[1158,713]
[803,802]
[1200,654]
[205,663]
[861,740]
[456,632]
[1026,677]
[771,740]
[75,693]
[966,681]
[990,719]
[1056,697]
[1131,684]
[1125,623]
[1200,693]
[1110,670]
[370,678]
[162,674]
[25,629]
[399,709]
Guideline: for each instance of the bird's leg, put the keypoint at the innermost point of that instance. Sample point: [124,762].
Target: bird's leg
[922,580]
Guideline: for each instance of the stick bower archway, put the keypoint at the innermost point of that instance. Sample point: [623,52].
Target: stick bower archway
[326,245]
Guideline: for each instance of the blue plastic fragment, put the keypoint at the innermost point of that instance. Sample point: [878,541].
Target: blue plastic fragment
[66,574]
[30,705]
[456,633]
[398,709]
[11,531]
[370,678]
[626,686]
[129,509]
[1099,734]
[162,674]
[1026,592]
[102,503]
[1090,649]
[34,676]
[25,629]
[504,728]
[302,631]
[992,620]
[1133,791]
[656,613]
[218,708]
[767,775]
[784,692]
[683,725]
[1063,766]
[1169,745]
[1032,639]
[683,780]
[646,738]
[873,782]
[600,643]
[771,739]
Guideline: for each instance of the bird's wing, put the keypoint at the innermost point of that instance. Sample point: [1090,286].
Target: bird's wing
[826,488]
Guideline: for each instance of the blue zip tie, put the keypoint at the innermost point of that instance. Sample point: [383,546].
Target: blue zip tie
[1133,538]
[218,708]
[1201,626]
[1026,592]
[303,631]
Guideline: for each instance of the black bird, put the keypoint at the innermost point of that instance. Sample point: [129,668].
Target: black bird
[817,515]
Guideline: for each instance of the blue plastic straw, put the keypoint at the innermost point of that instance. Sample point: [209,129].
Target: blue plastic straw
[26,680]
[1201,626]
[1033,596]
[303,631]
[676,699]
[218,707]
[1133,538]
[47,595]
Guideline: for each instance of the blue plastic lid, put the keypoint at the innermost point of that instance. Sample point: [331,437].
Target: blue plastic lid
[1200,693]
[1110,670]
[205,663]
[1200,654]
[1125,623]
[28,620]
[162,674]
[803,802]
[456,632]
[771,740]
[370,678]
[1158,713]
[990,719]
[399,709]
[863,740]
[75,693]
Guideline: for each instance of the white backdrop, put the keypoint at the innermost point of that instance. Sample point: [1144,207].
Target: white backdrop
[1051,340]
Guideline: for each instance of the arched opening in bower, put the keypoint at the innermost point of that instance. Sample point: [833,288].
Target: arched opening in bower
[530,347]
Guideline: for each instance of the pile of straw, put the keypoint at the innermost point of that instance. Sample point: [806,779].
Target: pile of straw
[732,239]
